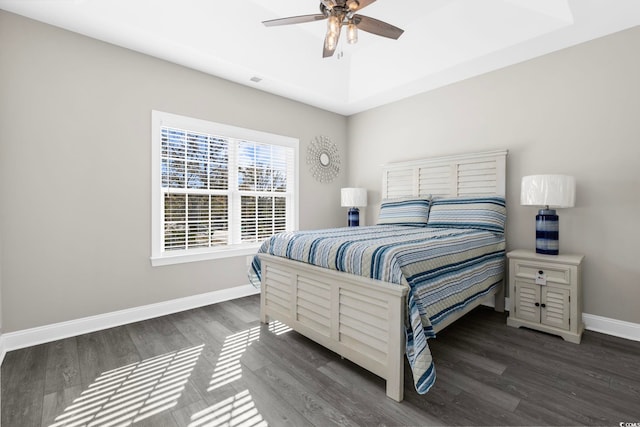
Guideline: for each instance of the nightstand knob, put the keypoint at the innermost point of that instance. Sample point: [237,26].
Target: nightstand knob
[540,272]
[543,305]
[537,304]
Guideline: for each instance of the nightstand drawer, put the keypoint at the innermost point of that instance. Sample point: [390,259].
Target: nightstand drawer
[554,273]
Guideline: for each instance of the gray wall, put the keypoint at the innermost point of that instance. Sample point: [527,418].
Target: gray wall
[574,112]
[75,159]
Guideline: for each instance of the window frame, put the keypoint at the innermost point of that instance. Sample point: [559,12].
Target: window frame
[161,119]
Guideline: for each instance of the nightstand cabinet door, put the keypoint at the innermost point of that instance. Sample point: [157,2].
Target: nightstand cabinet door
[526,298]
[555,309]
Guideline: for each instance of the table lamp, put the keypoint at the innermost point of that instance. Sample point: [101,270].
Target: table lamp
[353,198]
[550,191]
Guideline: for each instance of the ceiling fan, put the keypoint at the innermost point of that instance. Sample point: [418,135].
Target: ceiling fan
[339,13]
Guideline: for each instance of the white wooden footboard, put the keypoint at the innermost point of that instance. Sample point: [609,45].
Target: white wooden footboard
[359,318]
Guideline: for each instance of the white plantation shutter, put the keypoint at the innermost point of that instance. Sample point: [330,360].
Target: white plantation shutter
[195,189]
[219,187]
[264,174]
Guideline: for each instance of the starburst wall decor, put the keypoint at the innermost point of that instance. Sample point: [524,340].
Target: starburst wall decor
[323,159]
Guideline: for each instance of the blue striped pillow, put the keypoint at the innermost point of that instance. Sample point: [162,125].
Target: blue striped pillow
[404,212]
[483,213]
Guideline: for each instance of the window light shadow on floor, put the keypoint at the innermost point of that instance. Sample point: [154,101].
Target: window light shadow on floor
[228,368]
[278,328]
[132,393]
[126,395]
[236,411]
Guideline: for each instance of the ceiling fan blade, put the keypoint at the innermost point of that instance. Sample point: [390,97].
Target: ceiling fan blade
[363,4]
[294,20]
[379,28]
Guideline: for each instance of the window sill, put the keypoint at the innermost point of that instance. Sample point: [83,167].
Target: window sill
[181,258]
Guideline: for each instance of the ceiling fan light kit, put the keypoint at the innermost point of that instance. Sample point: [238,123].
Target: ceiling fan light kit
[340,13]
[352,33]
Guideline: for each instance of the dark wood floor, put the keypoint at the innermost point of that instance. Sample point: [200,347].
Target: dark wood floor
[218,366]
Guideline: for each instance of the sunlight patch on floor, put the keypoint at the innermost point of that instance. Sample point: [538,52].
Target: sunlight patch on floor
[235,411]
[132,393]
[278,328]
[228,368]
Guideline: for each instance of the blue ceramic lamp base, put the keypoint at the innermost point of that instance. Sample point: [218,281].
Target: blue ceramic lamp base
[547,232]
[353,217]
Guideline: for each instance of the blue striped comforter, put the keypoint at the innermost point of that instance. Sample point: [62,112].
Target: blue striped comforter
[445,268]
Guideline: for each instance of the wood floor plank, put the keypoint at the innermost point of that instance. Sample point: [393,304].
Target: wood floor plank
[198,333]
[277,350]
[206,318]
[439,403]
[160,337]
[226,317]
[103,351]
[202,325]
[270,406]
[457,353]
[490,412]
[246,313]
[370,392]
[63,367]
[156,336]
[313,407]
[55,404]
[163,419]
[483,391]
[187,414]
[204,380]
[541,416]
[23,377]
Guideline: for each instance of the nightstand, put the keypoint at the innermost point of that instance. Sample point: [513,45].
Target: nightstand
[545,292]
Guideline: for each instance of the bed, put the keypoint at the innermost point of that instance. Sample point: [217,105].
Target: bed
[373,315]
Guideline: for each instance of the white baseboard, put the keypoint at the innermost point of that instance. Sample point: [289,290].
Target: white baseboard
[28,337]
[3,351]
[606,325]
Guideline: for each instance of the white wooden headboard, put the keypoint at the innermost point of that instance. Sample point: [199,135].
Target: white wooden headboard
[460,175]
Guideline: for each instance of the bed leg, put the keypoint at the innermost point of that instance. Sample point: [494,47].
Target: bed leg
[395,388]
[264,318]
[396,348]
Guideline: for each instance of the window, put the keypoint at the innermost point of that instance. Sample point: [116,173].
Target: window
[218,190]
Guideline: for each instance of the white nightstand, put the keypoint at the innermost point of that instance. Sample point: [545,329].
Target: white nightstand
[545,292]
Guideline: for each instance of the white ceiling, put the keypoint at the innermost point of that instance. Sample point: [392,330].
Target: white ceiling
[444,40]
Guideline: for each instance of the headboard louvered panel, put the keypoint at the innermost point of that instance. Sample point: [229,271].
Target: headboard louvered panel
[461,175]
[477,178]
[399,182]
[434,180]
